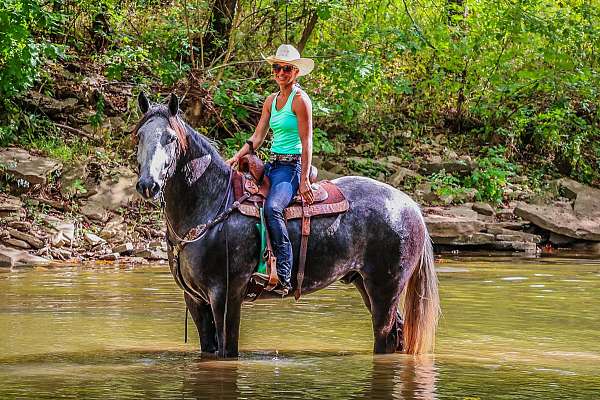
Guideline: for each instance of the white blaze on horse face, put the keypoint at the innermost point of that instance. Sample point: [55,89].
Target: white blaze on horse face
[153,156]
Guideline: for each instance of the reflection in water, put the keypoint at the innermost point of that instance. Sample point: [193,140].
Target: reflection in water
[111,333]
[211,379]
[402,377]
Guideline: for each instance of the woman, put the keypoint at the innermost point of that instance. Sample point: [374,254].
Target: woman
[289,114]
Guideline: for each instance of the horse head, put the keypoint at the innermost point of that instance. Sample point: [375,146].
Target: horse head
[161,139]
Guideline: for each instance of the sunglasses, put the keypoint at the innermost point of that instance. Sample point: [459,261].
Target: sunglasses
[286,68]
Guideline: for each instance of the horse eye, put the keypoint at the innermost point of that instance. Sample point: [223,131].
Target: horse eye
[171,139]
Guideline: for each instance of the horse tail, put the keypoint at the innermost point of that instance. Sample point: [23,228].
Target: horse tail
[421,307]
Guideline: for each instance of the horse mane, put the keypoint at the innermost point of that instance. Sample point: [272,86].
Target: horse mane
[174,122]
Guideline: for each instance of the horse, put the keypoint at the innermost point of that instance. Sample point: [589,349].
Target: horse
[381,244]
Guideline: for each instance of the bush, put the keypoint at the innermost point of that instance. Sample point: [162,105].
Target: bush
[21,49]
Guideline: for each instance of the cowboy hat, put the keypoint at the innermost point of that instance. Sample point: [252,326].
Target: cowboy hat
[286,53]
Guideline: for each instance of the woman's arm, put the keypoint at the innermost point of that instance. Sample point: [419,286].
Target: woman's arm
[259,135]
[302,107]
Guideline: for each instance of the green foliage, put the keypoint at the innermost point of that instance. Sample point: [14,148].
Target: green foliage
[78,187]
[447,186]
[368,167]
[235,98]
[98,117]
[491,176]
[321,143]
[234,143]
[22,48]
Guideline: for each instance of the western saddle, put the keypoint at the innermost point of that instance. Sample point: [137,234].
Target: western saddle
[251,186]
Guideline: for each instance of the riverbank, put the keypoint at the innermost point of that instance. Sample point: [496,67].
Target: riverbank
[89,210]
[67,184]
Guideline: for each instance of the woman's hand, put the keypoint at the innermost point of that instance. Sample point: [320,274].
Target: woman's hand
[306,190]
[233,161]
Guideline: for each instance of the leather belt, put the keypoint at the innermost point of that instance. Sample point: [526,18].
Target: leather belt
[284,157]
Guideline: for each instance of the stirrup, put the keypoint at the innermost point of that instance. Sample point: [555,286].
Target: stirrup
[263,280]
[260,279]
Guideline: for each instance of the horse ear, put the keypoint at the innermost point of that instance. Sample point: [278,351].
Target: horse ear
[173,104]
[143,103]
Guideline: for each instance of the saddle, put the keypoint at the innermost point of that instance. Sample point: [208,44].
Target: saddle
[251,186]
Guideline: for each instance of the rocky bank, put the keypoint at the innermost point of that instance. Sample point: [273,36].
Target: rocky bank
[49,212]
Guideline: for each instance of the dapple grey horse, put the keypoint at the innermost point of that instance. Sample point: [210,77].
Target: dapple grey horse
[380,244]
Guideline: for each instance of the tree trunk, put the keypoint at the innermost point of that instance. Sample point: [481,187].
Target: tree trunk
[221,21]
[100,31]
[310,26]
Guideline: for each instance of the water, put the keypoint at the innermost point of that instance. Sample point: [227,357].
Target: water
[511,329]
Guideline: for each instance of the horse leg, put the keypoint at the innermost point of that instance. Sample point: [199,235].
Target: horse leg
[227,313]
[205,324]
[384,297]
[398,322]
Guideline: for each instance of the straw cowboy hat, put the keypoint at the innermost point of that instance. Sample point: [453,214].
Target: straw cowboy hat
[286,53]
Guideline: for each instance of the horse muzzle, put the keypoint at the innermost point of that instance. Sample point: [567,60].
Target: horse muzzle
[147,187]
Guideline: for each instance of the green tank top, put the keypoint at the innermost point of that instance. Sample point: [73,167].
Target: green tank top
[284,124]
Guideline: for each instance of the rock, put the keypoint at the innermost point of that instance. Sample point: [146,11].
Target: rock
[452,227]
[23,226]
[363,147]
[62,232]
[53,203]
[397,178]
[462,211]
[58,240]
[465,195]
[505,214]
[109,257]
[92,239]
[123,248]
[483,208]
[22,165]
[569,187]
[49,105]
[397,161]
[113,192]
[519,237]
[94,211]
[560,220]
[61,254]
[73,179]
[501,227]
[436,159]
[477,238]
[158,244]
[16,258]
[424,187]
[152,254]
[9,204]
[328,175]
[528,247]
[587,203]
[134,260]
[455,167]
[21,244]
[114,229]
[32,240]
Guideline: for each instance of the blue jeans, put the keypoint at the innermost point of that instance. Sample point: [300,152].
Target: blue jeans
[285,180]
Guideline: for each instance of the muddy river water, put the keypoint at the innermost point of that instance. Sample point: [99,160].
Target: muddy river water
[511,328]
